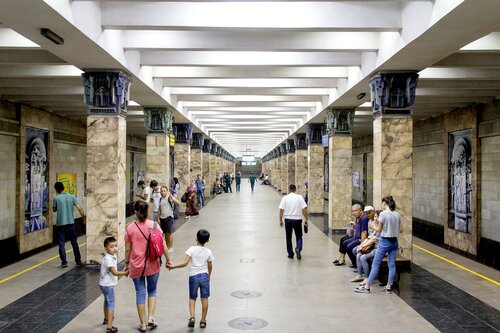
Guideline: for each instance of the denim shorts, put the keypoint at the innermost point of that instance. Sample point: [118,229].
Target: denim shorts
[109,297]
[201,281]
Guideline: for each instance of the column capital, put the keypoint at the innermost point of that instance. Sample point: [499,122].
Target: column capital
[283,148]
[315,133]
[290,145]
[393,94]
[340,121]
[183,133]
[213,149]
[207,145]
[158,120]
[300,141]
[197,140]
[106,93]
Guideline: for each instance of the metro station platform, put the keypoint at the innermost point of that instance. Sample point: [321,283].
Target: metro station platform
[310,295]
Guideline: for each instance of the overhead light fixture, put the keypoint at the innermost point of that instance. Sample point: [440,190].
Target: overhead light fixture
[361,95]
[52,36]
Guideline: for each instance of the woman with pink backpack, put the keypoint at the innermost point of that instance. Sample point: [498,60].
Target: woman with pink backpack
[144,246]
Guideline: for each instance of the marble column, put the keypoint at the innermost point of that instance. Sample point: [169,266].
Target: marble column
[182,157]
[315,168]
[106,158]
[340,123]
[196,166]
[392,147]
[158,122]
[290,160]
[301,165]
[206,168]
[284,170]
[213,173]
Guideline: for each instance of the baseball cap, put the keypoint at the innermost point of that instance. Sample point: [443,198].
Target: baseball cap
[368,208]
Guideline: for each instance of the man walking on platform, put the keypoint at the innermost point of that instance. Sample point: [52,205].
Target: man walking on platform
[292,208]
[252,180]
[64,204]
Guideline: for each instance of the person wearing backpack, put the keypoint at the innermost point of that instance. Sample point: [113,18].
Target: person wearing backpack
[144,246]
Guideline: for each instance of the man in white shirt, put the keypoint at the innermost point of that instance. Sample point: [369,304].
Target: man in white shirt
[292,208]
[146,191]
[155,198]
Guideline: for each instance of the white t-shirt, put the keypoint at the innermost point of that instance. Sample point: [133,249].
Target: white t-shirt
[200,256]
[292,204]
[107,279]
[156,195]
[147,191]
[166,208]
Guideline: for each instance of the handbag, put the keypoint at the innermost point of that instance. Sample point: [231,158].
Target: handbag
[184,197]
[306,228]
[350,231]
[367,249]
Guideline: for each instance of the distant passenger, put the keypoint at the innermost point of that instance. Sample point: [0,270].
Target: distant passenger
[252,179]
[146,191]
[389,228]
[238,181]
[175,192]
[200,190]
[64,204]
[292,208]
[155,198]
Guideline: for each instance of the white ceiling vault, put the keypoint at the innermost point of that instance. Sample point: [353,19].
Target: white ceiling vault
[249,74]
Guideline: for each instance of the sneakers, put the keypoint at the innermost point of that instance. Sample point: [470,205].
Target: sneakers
[362,290]
[80,264]
[152,324]
[297,252]
[63,265]
[290,257]
[387,290]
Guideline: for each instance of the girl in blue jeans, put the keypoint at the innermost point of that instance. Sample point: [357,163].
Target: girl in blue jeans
[389,228]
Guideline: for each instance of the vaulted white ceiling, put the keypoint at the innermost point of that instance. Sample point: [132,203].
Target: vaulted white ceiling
[250,74]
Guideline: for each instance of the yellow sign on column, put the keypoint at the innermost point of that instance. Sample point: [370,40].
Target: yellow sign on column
[69,182]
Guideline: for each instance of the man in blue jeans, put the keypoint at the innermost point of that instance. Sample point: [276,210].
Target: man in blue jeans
[200,190]
[292,208]
[64,204]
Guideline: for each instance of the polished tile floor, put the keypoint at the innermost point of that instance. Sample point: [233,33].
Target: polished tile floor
[249,248]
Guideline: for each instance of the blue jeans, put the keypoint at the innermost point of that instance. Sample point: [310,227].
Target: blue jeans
[200,194]
[140,287]
[237,186]
[199,281]
[63,232]
[387,246]
[296,226]
[109,297]
[362,261]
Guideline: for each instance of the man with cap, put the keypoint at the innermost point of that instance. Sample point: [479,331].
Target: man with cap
[360,233]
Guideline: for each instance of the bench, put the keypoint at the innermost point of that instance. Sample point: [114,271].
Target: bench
[402,264]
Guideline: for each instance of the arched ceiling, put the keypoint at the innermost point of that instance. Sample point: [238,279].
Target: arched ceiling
[250,74]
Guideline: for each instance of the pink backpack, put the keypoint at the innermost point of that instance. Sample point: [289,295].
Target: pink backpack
[154,246]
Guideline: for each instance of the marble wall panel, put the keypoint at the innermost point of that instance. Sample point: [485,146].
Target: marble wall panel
[158,158]
[316,157]
[196,162]
[105,184]
[340,179]
[301,171]
[490,188]
[290,160]
[8,167]
[393,169]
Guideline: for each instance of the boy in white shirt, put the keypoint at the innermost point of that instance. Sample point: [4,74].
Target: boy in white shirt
[200,260]
[108,280]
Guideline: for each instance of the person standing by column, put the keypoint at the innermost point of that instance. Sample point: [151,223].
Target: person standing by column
[64,204]
[228,182]
[175,192]
[252,179]
[292,208]
[238,181]
[200,190]
[155,198]
[146,191]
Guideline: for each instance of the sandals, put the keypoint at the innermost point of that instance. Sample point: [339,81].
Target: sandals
[113,329]
[142,328]
[203,324]
[191,322]
[340,263]
[152,324]
[357,280]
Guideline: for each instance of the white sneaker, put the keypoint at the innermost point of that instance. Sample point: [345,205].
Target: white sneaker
[171,250]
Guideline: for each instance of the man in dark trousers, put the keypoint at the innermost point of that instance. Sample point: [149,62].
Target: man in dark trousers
[64,204]
[292,208]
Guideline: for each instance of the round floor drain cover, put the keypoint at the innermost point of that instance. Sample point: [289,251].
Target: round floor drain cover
[247,323]
[246,294]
